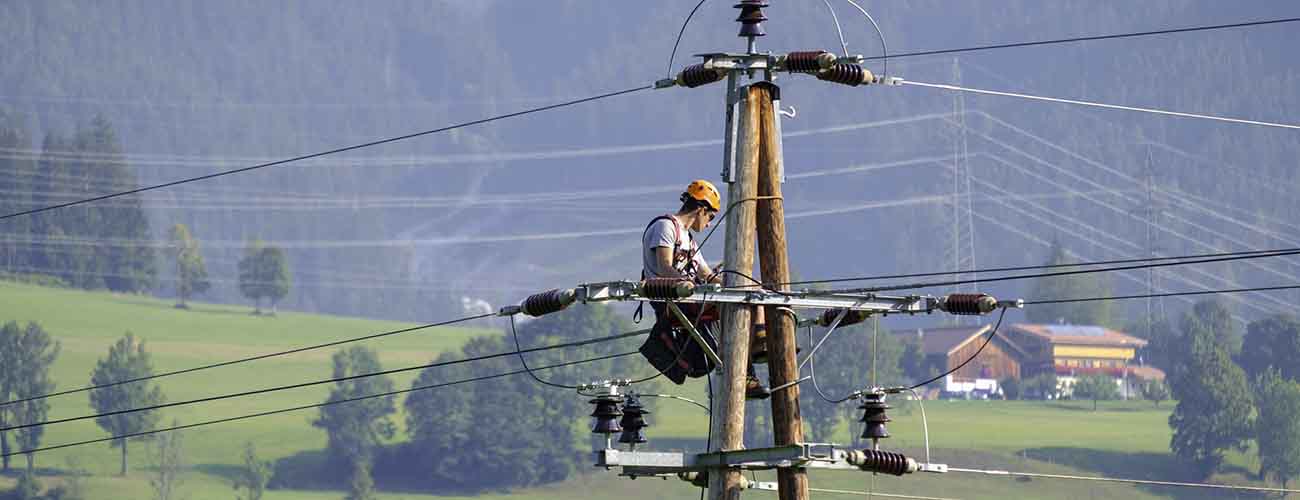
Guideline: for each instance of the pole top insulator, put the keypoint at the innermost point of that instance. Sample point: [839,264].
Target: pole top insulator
[751,17]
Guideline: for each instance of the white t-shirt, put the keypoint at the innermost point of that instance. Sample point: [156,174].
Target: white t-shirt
[670,233]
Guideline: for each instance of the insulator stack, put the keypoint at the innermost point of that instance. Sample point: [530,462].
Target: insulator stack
[850,318]
[547,302]
[873,415]
[606,415]
[969,304]
[883,462]
[696,75]
[847,74]
[633,422]
[667,288]
[751,17]
[812,61]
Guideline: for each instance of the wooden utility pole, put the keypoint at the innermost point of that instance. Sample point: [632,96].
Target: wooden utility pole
[787,423]
[728,422]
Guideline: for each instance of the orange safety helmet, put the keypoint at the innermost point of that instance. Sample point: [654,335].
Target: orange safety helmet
[704,191]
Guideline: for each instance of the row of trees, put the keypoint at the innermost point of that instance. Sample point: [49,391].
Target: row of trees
[263,270]
[1231,393]
[101,245]
[467,438]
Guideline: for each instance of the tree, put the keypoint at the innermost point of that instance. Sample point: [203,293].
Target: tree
[191,273]
[1068,287]
[1043,386]
[357,428]
[127,360]
[853,358]
[274,272]
[250,279]
[27,488]
[1214,406]
[169,449]
[36,354]
[1096,387]
[1155,391]
[263,273]
[253,475]
[361,486]
[1277,430]
[1272,342]
[9,358]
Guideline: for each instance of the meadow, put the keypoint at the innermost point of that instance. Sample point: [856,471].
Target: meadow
[1123,439]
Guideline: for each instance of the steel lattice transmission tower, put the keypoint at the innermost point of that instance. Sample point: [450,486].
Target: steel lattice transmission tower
[959,250]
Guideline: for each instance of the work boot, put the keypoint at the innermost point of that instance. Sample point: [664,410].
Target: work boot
[755,389]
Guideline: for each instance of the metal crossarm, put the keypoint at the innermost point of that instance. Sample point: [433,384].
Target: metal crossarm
[802,455]
[868,302]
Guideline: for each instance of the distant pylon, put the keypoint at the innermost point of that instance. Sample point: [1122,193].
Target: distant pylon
[960,248]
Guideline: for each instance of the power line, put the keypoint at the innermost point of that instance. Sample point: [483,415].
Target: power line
[1099,104]
[317,405]
[245,360]
[1092,38]
[992,333]
[1042,266]
[1119,480]
[876,493]
[1168,294]
[208,399]
[329,152]
[1070,273]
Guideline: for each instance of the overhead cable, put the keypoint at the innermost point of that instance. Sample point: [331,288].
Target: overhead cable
[1119,480]
[1094,38]
[1098,104]
[245,360]
[992,333]
[1070,273]
[1167,294]
[317,405]
[329,152]
[876,493]
[440,364]
[1042,266]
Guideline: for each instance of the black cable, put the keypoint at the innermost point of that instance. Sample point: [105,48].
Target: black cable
[1169,294]
[1061,273]
[519,349]
[1043,266]
[307,407]
[679,37]
[1092,38]
[708,436]
[245,360]
[576,343]
[972,357]
[329,152]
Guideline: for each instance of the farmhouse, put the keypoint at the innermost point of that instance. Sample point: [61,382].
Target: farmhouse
[1026,350]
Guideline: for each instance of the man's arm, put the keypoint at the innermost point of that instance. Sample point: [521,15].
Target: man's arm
[664,257]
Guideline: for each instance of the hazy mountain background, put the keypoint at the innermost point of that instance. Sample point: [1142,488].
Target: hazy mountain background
[417,229]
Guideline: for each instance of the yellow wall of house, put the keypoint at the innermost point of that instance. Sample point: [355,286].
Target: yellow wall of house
[1077,351]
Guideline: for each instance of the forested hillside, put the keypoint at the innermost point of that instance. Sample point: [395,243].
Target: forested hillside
[417,229]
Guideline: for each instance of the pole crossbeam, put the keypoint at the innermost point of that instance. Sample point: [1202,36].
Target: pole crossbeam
[714,294]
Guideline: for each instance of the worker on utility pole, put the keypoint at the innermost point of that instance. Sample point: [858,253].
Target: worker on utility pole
[669,250]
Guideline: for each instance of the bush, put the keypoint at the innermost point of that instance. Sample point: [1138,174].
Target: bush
[1011,387]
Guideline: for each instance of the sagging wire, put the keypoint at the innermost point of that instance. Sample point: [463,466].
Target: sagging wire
[838,30]
[925,423]
[245,360]
[519,349]
[438,364]
[308,407]
[680,32]
[992,333]
[884,49]
[679,398]
[812,373]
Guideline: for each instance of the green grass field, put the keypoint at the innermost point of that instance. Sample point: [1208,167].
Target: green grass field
[1123,439]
